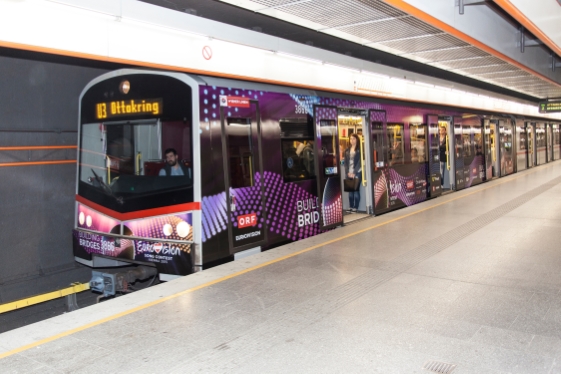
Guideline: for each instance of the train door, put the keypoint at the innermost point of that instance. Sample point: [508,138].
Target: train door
[459,154]
[495,149]
[506,147]
[521,147]
[488,149]
[549,138]
[531,136]
[446,153]
[328,175]
[433,166]
[541,145]
[243,175]
[556,142]
[380,161]
[352,128]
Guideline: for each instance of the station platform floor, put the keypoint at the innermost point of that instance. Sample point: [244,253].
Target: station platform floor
[470,279]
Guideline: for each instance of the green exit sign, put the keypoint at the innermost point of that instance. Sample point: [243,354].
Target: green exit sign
[550,106]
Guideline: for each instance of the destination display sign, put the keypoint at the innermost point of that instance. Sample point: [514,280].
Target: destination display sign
[123,108]
[550,106]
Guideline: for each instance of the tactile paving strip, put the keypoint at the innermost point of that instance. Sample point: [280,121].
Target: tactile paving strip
[230,355]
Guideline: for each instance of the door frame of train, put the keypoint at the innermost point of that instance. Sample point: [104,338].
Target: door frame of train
[495,125]
[376,116]
[324,181]
[365,152]
[434,176]
[459,182]
[548,142]
[451,147]
[488,150]
[531,159]
[226,162]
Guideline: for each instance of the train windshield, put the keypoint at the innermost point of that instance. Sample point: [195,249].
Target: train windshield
[135,165]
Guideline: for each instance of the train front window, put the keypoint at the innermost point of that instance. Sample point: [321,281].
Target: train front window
[128,166]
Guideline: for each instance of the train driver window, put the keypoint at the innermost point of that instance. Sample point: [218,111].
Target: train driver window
[298,149]
[395,142]
[121,164]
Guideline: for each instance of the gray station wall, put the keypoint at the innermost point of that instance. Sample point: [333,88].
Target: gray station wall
[39,106]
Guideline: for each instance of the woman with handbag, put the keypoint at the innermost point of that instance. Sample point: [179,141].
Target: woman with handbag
[353,172]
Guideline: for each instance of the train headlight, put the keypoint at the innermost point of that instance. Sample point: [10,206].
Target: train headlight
[125,87]
[167,229]
[182,229]
[81,218]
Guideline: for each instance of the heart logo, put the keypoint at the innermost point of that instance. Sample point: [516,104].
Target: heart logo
[158,247]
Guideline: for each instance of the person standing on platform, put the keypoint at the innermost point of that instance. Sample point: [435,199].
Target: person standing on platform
[353,170]
[443,155]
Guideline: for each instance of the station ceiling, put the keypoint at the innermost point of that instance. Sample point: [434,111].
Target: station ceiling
[374,25]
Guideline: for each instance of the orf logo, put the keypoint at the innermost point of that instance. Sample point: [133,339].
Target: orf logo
[247,220]
[410,185]
[158,247]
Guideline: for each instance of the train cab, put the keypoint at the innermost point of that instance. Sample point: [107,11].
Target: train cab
[136,198]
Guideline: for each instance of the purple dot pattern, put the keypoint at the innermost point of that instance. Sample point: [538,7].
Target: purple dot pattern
[280,216]
[154,228]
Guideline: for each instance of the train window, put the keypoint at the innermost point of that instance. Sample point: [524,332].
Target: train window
[378,146]
[418,133]
[122,165]
[478,140]
[521,138]
[328,163]
[467,141]
[298,160]
[297,149]
[241,152]
[459,140]
[395,141]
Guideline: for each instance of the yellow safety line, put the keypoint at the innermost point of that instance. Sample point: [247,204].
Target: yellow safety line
[204,285]
[75,288]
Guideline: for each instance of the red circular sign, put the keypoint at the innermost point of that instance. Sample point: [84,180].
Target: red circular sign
[207,52]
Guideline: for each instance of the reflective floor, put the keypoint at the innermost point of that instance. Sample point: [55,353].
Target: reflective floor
[471,279]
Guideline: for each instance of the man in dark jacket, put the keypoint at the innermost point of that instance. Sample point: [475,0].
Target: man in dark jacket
[173,167]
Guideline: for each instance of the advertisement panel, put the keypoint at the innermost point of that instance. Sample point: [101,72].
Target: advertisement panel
[169,258]
[399,186]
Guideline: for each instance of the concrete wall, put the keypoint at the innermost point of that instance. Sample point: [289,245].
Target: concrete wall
[39,106]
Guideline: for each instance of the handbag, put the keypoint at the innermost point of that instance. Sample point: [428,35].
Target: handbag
[351,184]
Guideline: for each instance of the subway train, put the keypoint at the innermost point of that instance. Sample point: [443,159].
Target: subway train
[183,172]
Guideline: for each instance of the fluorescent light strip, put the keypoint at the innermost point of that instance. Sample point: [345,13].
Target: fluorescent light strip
[424,84]
[355,70]
[106,15]
[306,59]
[372,74]
[141,23]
